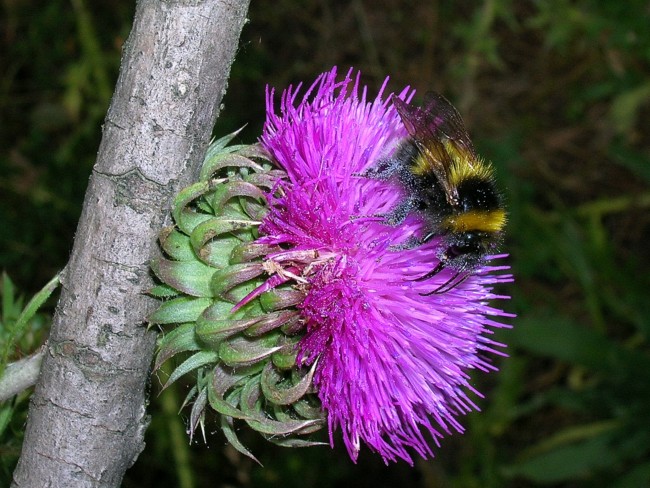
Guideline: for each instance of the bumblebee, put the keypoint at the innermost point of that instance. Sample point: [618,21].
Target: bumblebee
[446,183]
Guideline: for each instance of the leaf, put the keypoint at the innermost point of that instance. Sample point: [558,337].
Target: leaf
[560,338]
[6,412]
[245,252]
[228,428]
[241,351]
[566,463]
[176,244]
[222,405]
[238,189]
[187,219]
[292,442]
[250,404]
[180,339]
[217,145]
[216,253]
[217,160]
[290,427]
[279,298]
[215,227]
[272,320]
[163,291]
[626,107]
[197,414]
[18,328]
[634,477]
[35,303]
[195,361]
[271,383]
[228,278]
[180,310]
[216,324]
[284,359]
[190,277]
[307,410]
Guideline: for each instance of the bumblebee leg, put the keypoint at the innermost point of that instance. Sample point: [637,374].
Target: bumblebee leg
[399,213]
[383,170]
[433,272]
[410,243]
[395,217]
[448,285]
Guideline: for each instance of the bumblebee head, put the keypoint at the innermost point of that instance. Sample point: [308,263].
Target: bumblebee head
[462,252]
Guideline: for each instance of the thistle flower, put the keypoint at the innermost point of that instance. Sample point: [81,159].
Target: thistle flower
[391,362]
[382,363]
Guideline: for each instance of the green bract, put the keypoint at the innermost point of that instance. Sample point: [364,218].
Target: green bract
[244,361]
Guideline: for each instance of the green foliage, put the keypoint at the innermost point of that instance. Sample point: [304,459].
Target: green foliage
[22,330]
[608,389]
[59,65]
[20,323]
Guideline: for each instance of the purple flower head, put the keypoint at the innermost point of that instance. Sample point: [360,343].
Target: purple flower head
[392,364]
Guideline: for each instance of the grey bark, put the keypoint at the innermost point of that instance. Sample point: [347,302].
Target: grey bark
[87,416]
[20,375]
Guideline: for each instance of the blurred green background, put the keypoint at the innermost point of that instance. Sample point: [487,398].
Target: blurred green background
[556,93]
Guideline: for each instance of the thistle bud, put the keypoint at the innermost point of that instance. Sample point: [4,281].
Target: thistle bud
[243,357]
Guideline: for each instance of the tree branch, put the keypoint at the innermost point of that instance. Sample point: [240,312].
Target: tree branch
[87,417]
[20,375]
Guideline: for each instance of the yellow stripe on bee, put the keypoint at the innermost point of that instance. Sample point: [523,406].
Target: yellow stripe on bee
[462,165]
[476,220]
[465,165]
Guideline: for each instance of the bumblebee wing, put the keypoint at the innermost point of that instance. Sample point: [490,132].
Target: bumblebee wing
[446,123]
[424,129]
[441,137]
